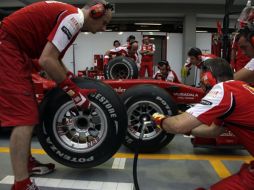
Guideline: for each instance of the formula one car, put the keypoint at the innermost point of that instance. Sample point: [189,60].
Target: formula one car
[78,139]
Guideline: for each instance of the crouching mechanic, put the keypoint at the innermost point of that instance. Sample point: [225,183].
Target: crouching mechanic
[165,72]
[52,26]
[226,105]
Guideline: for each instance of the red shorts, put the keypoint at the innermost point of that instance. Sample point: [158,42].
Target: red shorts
[243,180]
[18,105]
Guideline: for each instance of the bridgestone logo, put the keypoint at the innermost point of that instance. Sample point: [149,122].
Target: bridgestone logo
[106,103]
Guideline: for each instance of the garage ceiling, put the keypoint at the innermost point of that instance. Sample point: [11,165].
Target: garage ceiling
[169,13]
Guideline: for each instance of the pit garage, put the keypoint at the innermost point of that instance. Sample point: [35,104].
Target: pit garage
[117,144]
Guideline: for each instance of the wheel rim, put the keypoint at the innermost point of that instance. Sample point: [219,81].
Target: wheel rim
[120,71]
[137,113]
[78,132]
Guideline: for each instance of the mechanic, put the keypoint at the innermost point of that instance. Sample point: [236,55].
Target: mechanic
[247,73]
[128,51]
[131,38]
[147,50]
[246,44]
[114,52]
[226,105]
[44,31]
[116,43]
[237,58]
[165,72]
[196,58]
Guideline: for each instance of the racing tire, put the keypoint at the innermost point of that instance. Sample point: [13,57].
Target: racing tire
[78,139]
[141,102]
[121,68]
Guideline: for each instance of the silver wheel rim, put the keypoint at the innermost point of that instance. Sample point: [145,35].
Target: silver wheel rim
[136,114]
[78,132]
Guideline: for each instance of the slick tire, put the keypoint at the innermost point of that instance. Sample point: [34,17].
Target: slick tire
[141,102]
[78,139]
[121,68]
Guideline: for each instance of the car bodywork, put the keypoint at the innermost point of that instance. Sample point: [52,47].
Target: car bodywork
[185,96]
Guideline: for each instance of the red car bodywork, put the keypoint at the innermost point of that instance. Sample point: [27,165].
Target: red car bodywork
[181,94]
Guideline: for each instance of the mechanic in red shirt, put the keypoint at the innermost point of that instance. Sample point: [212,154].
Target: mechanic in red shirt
[165,72]
[128,51]
[147,50]
[247,46]
[238,59]
[226,105]
[43,31]
[196,58]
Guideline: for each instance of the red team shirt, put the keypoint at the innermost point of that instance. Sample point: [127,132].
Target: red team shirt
[23,36]
[171,77]
[121,51]
[232,98]
[149,47]
[58,24]
[203,58]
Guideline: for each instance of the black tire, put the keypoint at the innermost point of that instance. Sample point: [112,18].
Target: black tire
[141,102]
[121,68]
[82,140]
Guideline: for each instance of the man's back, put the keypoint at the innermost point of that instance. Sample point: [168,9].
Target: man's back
[230,102]
[32,26]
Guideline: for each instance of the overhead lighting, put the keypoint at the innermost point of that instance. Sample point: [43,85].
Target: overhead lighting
[151,24]
[147,30]
[201,31]
[109,30]
[120,33]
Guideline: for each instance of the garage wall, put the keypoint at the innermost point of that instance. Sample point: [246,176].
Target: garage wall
[175,51]
[86,45]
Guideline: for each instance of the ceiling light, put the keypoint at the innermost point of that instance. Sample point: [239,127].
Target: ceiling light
[147,30]
[109,30]
[120,33]
[151,24]
[201,31]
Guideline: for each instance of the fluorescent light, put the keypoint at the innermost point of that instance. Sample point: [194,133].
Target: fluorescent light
[109,30]
[120,33]
[148,30]
[201,31]
[151,24]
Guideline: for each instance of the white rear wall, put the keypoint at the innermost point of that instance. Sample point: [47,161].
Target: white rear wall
[86,45]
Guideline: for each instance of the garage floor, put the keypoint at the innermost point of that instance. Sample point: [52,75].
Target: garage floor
[176,167]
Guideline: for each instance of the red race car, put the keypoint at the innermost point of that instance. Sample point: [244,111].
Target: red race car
[77,140]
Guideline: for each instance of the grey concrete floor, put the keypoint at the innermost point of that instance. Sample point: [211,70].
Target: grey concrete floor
[170,170]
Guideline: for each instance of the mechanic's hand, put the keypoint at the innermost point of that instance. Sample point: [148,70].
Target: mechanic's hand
[78,95]
[158,119]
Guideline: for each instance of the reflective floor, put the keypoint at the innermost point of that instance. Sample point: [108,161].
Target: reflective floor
[178,166]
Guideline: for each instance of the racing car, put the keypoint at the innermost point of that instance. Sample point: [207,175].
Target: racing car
[78,139]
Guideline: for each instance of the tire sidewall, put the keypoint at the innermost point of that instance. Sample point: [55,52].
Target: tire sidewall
[113,109]
[159,97]
[121,60]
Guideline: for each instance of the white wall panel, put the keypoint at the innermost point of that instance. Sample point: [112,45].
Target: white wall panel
[89,44]
[86,45]
[175,51]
